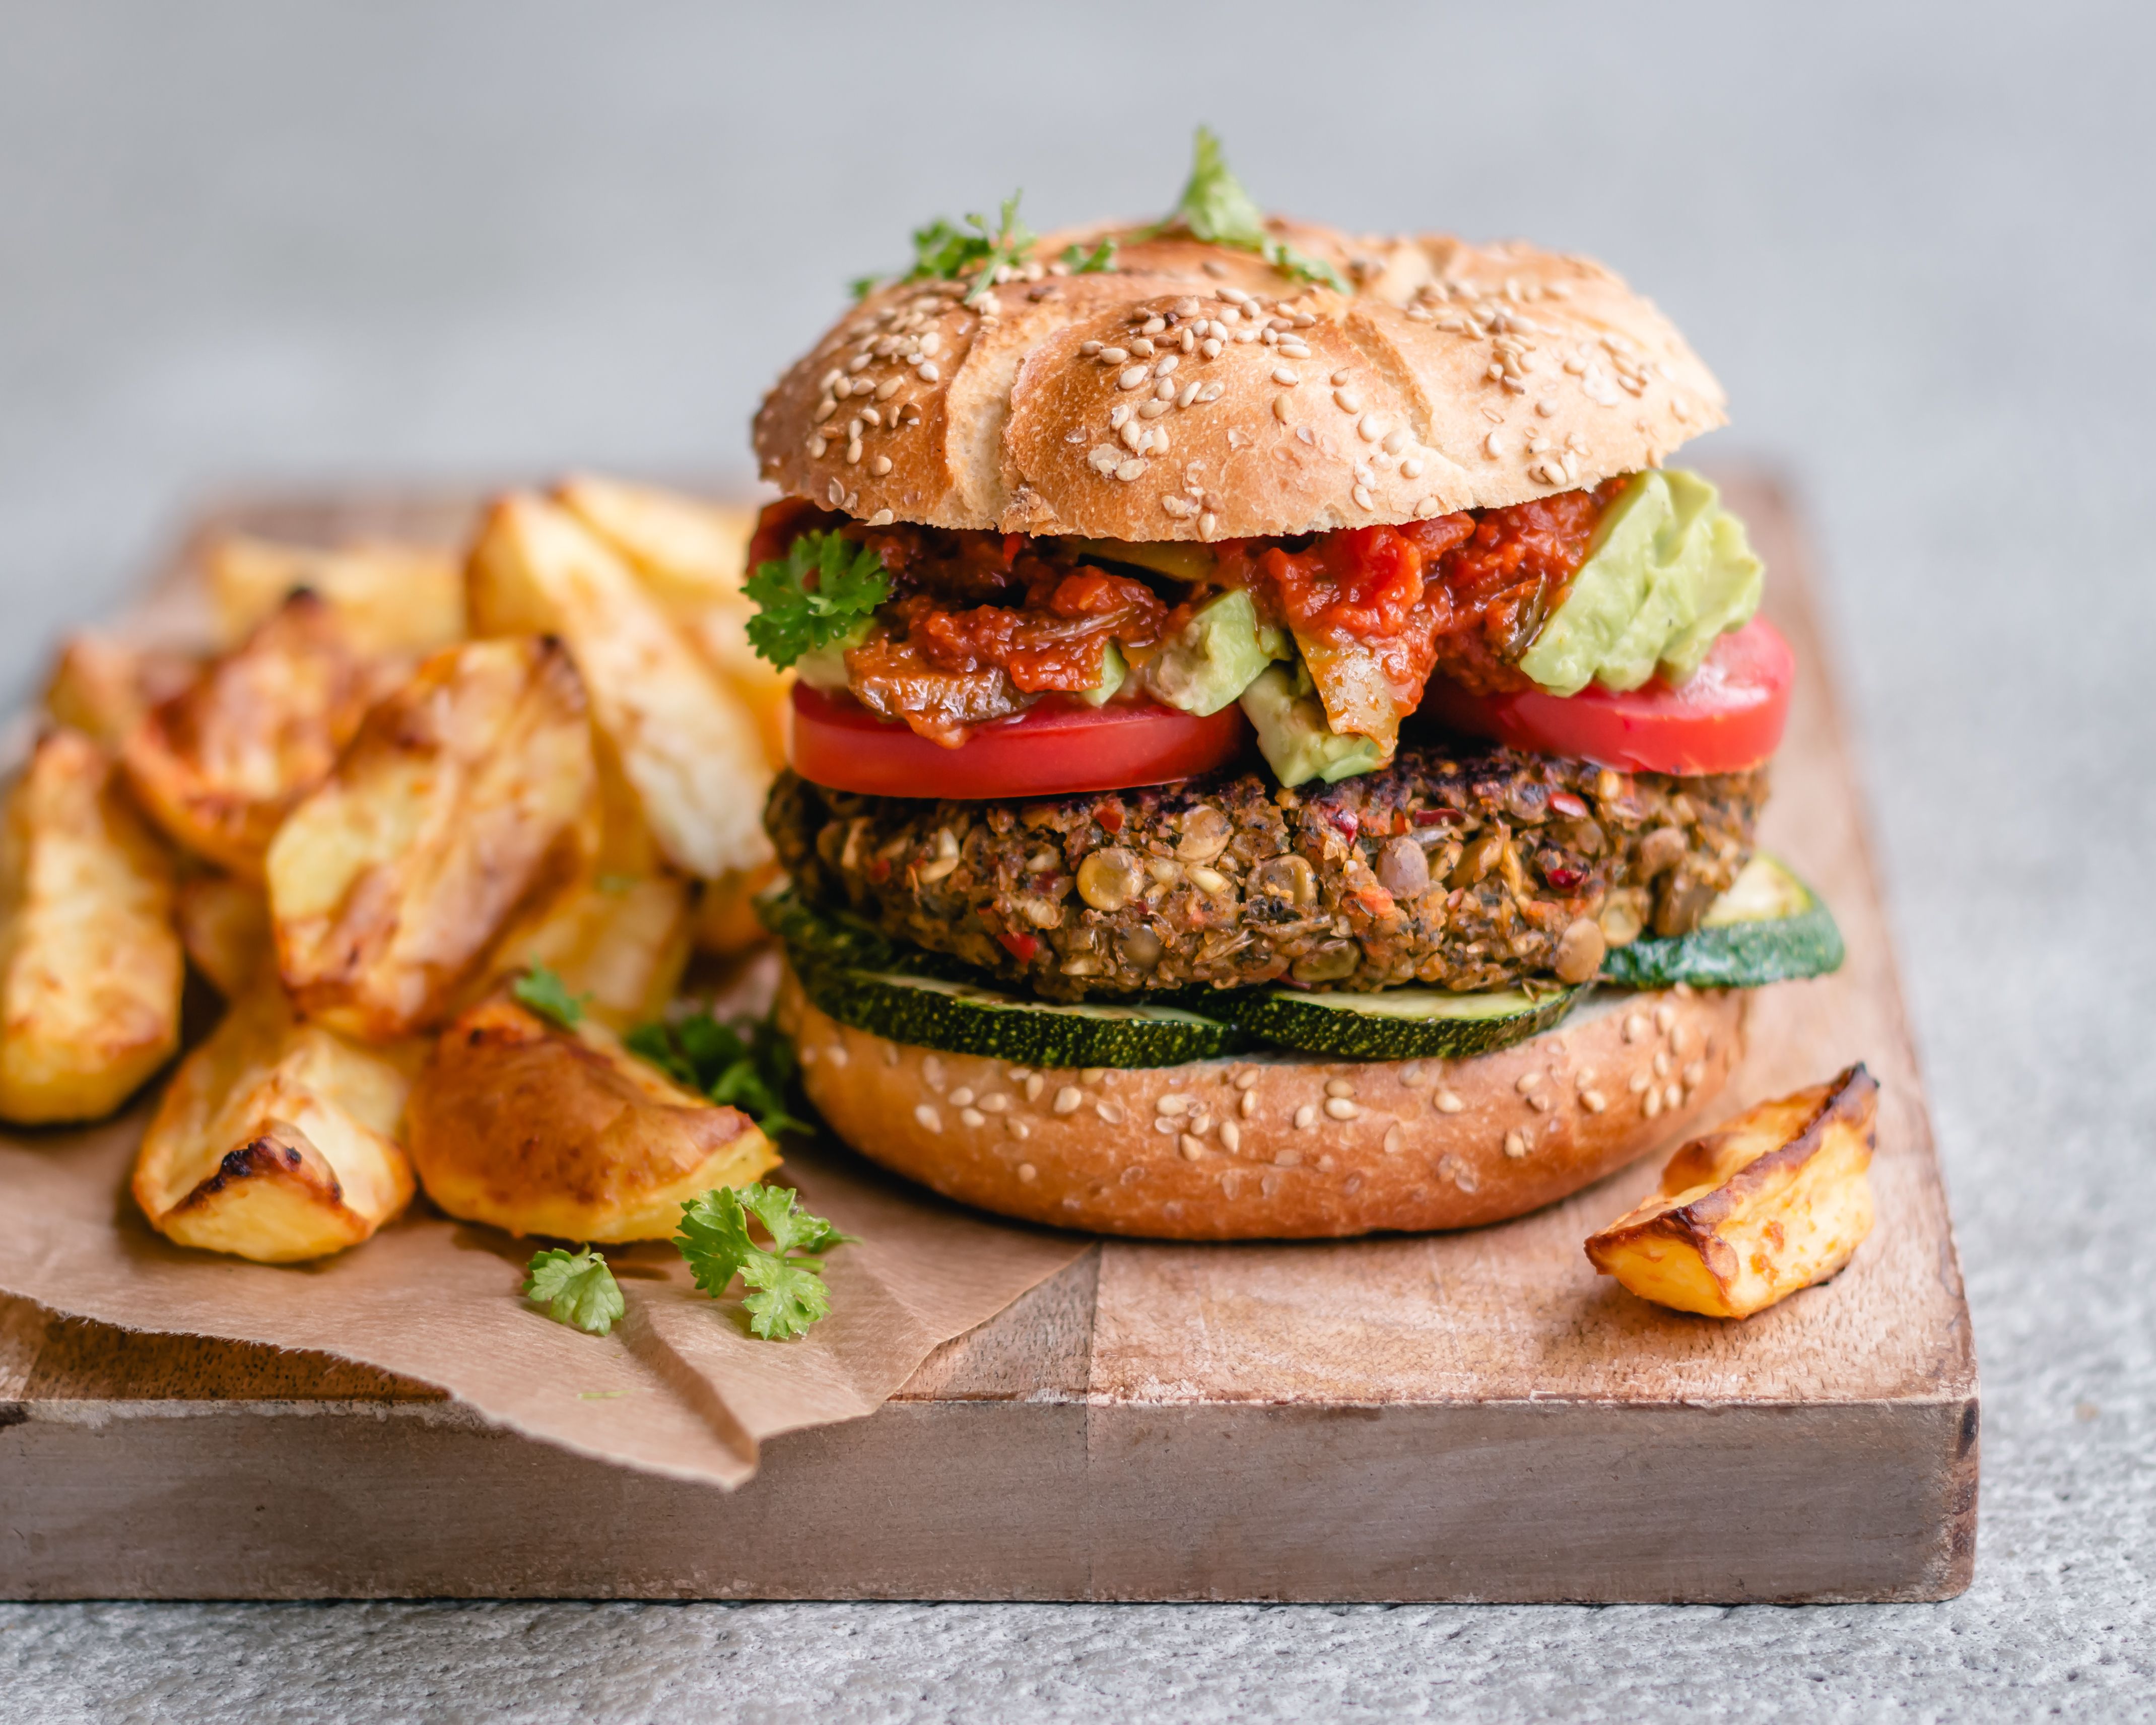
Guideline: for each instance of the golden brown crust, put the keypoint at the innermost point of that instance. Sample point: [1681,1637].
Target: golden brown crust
[1453,377]
[1278,1146]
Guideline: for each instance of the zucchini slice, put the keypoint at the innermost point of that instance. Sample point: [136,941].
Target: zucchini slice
[842,938]
[1769,927]
[1400,1024]
[964,1018]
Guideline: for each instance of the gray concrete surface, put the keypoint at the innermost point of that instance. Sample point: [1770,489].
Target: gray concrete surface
[1916,241]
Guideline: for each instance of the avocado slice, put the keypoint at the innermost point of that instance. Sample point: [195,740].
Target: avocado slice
[1292,734]
[825,667]
[1668,570]
[1214,657]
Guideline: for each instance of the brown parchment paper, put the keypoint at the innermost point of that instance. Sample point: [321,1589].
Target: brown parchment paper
[680,1388]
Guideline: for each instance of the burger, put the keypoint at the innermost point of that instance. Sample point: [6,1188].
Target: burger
[1275,752]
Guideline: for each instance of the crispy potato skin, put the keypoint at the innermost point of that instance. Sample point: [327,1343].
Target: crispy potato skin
[220,764]
[540,1130]
[687,745]
[1775,1201]
[389,598]
[277,1140]
[619,943]
[457,800]
[90,968]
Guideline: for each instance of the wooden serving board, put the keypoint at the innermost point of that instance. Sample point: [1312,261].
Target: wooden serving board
[1471,1416]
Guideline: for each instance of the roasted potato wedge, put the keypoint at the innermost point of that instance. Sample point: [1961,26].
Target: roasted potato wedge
[457,799]
[1776,1200]
[89,966]
[618,941]
[219,765]
[224,925]
[725,914]
[524,1125]
[692,555]
[277,1140]
[391,599]
[102,687]
[687,744]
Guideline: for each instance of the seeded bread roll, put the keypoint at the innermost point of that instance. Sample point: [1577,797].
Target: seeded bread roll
[1281,1146]
[1196,393]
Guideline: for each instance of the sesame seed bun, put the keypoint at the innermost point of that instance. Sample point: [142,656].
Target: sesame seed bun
[1451,377]
[1278,1146]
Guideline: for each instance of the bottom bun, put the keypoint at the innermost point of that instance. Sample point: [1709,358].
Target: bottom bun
[1278,1145]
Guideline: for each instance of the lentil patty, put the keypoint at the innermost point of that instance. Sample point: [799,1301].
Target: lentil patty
[1453,869]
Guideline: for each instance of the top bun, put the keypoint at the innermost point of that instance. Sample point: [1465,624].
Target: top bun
[1451,377]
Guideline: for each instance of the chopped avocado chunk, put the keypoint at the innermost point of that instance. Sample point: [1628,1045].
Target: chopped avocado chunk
[1113,671]
[1292,734]
[1214,657]
[825,667]
[1175,558]
[1668,571]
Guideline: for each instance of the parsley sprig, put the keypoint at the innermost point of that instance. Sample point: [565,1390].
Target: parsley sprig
[745,1063]
[786,1282]
[1215,207]
[1081,262]
[546,995]
[943,251]
[577,1288]
[796,614]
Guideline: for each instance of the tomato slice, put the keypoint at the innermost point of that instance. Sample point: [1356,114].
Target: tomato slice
[1052,747]
[1727,719]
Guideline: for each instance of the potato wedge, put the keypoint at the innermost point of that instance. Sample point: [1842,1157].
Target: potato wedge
[528,1126]
[89,966]
[456,800]
[725,914]
[688,745]
[692,555]
[277,1140]
[620,941]
[219,765]
[1776,1200]
[391,599]
[224,925]
[102,687]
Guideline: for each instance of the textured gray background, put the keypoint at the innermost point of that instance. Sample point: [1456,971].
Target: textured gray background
[298,240]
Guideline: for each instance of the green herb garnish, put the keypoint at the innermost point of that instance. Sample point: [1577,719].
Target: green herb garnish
[796,617]
[546,995]
[577,1288]
[1215,207]
[1081,262]
[746,1063]
[944,253]
[788,1292]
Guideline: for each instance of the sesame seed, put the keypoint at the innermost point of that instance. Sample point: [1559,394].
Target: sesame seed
[1661,1064]
[973,1117]
[1340,1108]
[818,446]
[1305,1117]
[1447,1103]
[1131,377]
[1088,348]
[1034,1084]
[1516,1146]
[1166,363]
[1282,406]
[1142,348]
[995,1101]
[1173,1104]
[1249,1106]
[1114,356]
[1395,441]
[837,493]
[882,518]
[1244,1078]
[1340,377]
[1192,1148]
[853,453]
[1539,1102]
[1370,427]
[928,1117]
[1664,1015]
[1411,468]
[1231,1135]
[824,409]
[1347,401]
[1130,469]
[1028,1172]
[1213,391]
[1677,1038]
[1111,1112]
[1651,1104]
[929,372]
[1361,496]
[1178,507]
[1339,1087]
[932,344]
[1695,1074]
[1190,393]
[1635,1026]
[1638,1081]
[1285,377]
[1067,1100]
[1210,347]
[1293,350]
[879,466]
[889,387]
[1153,326]
[1593,1101]
[1528,1083]
[1207,523]
[1164,392]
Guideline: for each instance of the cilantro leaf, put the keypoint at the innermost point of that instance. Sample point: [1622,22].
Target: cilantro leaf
[546,995]
[944,253]
[1215,207]
[787,1289]
[577,1288]
[745,1064]
[795,615]
[1081,262]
